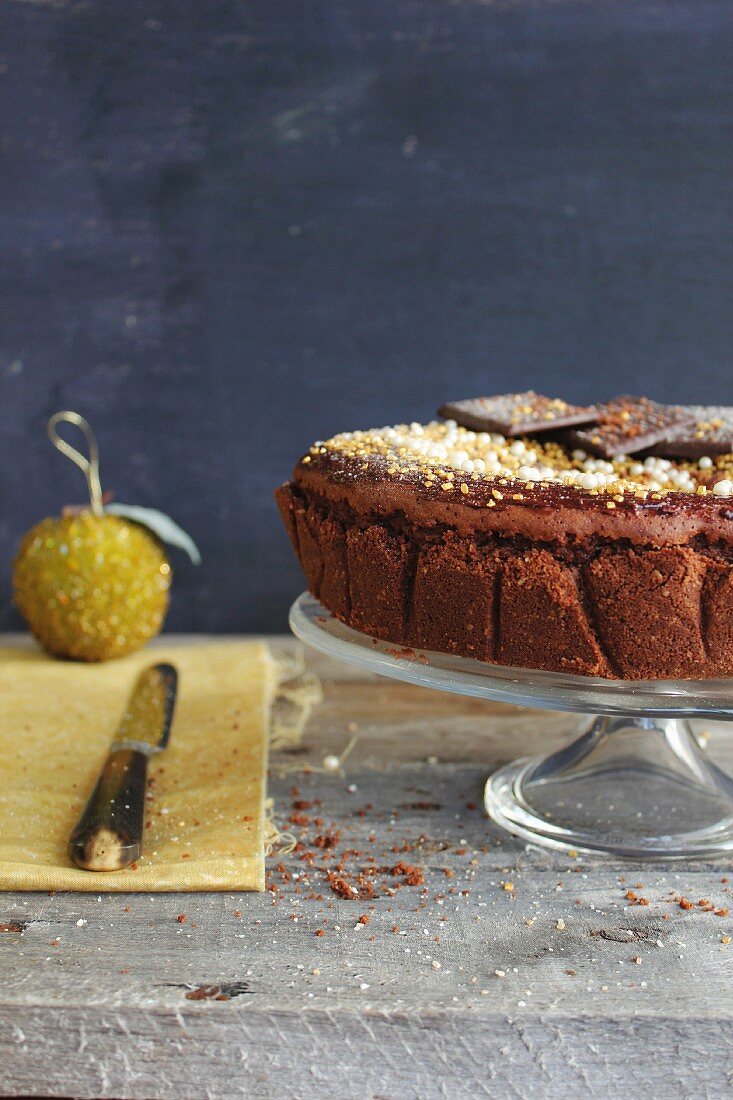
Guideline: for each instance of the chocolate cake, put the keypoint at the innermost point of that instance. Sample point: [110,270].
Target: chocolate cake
[522,548]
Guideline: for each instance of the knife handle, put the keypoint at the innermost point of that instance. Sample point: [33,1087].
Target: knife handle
[108,835]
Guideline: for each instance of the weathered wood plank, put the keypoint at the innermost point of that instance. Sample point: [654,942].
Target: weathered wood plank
[218,1050]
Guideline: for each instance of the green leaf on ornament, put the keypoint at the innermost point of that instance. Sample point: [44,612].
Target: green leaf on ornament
[160,524]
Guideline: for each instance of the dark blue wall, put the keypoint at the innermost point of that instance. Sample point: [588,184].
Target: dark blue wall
[230,228]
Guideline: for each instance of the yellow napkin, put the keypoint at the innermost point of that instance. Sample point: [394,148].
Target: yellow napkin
[205,827]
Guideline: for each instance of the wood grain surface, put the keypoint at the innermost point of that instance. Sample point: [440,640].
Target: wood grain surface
[511,973]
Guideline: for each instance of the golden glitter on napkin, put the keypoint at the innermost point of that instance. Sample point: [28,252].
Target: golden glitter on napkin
[205,826]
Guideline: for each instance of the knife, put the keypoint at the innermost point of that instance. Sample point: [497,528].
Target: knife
[108,835]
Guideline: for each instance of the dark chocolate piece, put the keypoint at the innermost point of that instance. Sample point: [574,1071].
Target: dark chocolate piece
[627,425]
[710,434]
[512,414]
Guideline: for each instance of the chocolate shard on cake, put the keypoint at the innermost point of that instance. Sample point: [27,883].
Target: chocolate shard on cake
[710,433]
[514,414]
[525,552]
[628,425]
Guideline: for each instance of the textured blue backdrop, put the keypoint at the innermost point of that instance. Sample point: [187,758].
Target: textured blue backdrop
[227,229]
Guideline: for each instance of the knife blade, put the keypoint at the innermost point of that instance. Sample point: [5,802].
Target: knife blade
[108,835]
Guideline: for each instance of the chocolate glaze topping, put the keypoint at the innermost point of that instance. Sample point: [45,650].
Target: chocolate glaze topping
[548,513]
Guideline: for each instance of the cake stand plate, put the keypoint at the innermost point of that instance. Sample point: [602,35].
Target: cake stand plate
[636,784]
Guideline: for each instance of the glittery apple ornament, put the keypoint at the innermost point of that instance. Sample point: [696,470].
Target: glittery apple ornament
[94,584]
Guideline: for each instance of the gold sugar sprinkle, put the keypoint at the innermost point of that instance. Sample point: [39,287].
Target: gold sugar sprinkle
[440,452]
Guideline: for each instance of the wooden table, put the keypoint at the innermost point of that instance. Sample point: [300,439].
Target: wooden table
[508,973]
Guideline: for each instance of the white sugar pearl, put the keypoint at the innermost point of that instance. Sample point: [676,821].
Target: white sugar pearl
[331,763]
[588,481]
[517,448]
[723,488]
[635,469]
[529,473]
[705,463]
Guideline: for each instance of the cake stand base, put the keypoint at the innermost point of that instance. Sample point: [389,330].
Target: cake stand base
[633,787]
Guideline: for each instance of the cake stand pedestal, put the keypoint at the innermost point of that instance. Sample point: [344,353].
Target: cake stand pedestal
[636,784]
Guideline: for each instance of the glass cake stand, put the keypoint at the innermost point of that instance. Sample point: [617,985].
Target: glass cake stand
[636,784]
